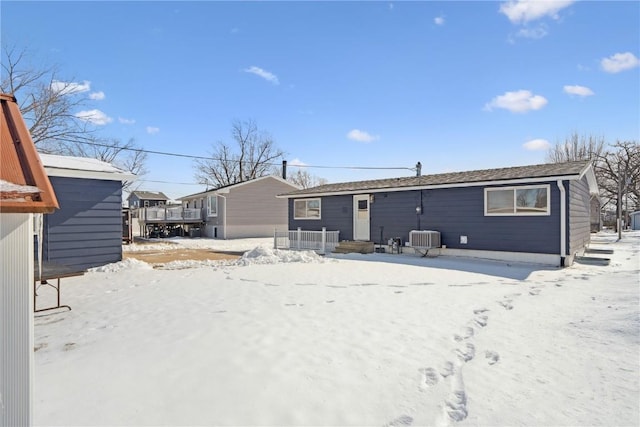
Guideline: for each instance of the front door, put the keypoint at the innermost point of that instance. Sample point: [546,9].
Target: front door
[361,222]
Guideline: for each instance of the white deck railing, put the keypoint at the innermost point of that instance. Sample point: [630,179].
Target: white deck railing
[320,241]
[161,213]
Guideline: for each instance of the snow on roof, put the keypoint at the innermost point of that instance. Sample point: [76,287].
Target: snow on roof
[82,167]
[10,187]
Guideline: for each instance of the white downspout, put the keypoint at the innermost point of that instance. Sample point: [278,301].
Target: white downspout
[563,222]
[224,217]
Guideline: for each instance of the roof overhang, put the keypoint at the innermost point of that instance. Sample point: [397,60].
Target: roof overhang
[437,186]
[24,184]
[590,174]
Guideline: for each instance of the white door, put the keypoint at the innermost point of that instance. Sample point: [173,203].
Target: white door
[361,220]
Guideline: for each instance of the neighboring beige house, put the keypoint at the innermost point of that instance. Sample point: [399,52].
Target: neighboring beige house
[246,209]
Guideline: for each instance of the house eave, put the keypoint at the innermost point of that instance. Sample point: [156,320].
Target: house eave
[432,186]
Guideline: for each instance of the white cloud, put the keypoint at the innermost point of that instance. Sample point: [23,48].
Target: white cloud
[126,121]
[619,62]
[361,136]
[152,130]
[96,117]
[522,11]
[537,145]
[68,88]
[268,76]
[439,20]
[578,90]
[533,33]
[98,96]
[520,101]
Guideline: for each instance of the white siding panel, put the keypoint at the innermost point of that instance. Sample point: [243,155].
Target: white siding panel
[16,319]
[579,216]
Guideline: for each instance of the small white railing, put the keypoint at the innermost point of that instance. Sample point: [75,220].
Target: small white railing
[160,213]
[320,241]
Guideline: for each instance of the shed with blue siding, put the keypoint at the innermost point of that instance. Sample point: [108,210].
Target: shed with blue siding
[86,231]
[538,213]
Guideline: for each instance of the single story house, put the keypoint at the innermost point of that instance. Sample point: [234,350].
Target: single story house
[87,229]
[538,213]
[245,209]
[145,199]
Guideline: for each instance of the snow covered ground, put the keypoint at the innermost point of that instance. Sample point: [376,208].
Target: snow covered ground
[293,339]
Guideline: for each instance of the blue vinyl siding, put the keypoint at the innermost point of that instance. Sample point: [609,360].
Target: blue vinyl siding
[454,212]
[336,213]
[87,229]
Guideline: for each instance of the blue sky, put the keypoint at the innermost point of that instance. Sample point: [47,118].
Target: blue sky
[455,85]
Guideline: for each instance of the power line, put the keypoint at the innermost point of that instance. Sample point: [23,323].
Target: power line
[190,156]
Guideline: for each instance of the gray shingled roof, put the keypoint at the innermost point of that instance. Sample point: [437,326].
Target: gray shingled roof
[453,178]
[149,195]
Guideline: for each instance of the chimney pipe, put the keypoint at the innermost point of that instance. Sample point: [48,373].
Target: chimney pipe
[418,169]
[284,169]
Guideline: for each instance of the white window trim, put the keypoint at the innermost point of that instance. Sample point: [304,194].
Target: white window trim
[514,189]
[209,206]
[314,218]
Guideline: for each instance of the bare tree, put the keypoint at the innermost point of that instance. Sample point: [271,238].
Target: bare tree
[618,174]
[127,156]
[252,155]
[49,105]
[304,179]
[47,102]
[576,147]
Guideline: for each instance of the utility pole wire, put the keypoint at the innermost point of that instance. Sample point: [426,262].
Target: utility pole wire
[190,156]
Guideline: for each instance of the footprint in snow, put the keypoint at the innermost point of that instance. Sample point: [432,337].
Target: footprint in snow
[456,405]
[481,320]
[534,291]
[492,357]
[446,369]
[403,420]
[466,332]
[480,310]
[429,377]
[466,352]
[506,304]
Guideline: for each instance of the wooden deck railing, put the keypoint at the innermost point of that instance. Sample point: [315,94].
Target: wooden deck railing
[163,213]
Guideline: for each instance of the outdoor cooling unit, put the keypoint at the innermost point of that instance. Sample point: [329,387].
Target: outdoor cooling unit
[423,240]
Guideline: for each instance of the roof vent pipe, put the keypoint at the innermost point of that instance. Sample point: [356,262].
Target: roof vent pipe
[418,169]
[284,169]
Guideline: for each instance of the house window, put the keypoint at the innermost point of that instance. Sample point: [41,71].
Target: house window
[306,209]
[212,205]
[146,203]
[525,200]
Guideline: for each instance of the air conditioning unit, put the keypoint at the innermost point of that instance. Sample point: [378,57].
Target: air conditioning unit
[424,239]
